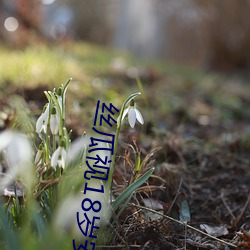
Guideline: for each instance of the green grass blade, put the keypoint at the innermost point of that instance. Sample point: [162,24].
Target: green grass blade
[10,236]
[128,191]
[122,209]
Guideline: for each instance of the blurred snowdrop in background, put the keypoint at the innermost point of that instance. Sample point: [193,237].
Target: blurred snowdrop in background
[17,155]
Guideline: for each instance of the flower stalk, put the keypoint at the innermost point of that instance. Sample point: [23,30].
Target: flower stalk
[119,122]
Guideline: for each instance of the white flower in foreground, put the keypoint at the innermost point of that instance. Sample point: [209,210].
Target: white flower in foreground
[54,121]
[69,213]
[59,157]
[133,114]
[17,151]
[42,122]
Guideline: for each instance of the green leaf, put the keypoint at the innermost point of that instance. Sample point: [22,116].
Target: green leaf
[128,191]
[10,236]
[138,163]
[65,87]
[185,212]
[39,222]
[122,209]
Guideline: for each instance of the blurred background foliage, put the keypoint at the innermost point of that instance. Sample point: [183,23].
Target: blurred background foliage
[173,46]
[212,34]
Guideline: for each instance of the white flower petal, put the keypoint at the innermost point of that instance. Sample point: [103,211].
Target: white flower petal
[59,158]
[54,124]
[46,113]
[18,156]
[39,123]
[61,163]
[77,148]
[5,139]
[19,151]
[124,113]
[38,156]
[65,216]
[132,117]
[42,121]
[44,127]
[63,158]
[139,116]
[55,156]
[133,114]
[59,99]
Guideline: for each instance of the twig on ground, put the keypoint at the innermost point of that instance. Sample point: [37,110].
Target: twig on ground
[227,207]
[239,217]
[119,246]
[184,224]
[174,200]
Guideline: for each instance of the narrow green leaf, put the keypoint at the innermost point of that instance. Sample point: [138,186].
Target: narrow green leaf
[122,209]
[138,163]
[185,212]
[65,87]
[39,222]
[128,191]
[10,236]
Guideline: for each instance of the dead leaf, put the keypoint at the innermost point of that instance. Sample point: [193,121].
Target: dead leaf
[215,231]
[245,236]
[155,205]
[152,204]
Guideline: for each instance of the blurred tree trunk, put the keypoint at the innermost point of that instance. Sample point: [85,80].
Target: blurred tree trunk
[28,14]
[229,35]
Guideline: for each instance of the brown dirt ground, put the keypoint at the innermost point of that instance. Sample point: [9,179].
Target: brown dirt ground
[205,165]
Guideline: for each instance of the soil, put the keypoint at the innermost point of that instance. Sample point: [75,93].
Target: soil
[202,164]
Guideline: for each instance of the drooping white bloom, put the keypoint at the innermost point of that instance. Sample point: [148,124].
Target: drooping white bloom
[17,152]
[54,121]
[77,149]
[39,154]
[42,122]
[68,215]
[59,99]
[17,148]
[133,114]
[59,157]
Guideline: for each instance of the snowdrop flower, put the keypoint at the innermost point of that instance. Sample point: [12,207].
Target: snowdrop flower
[133,114]
[39,154]
[17,152]
[59,157]
[70,211]
[59,97]
[54,121]
[77,149]
[42,122]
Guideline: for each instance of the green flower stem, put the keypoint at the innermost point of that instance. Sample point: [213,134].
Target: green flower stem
[119,122]
[52,95]
[65,87]
[61,112]
[47,137]
[66,137]
[54,142]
